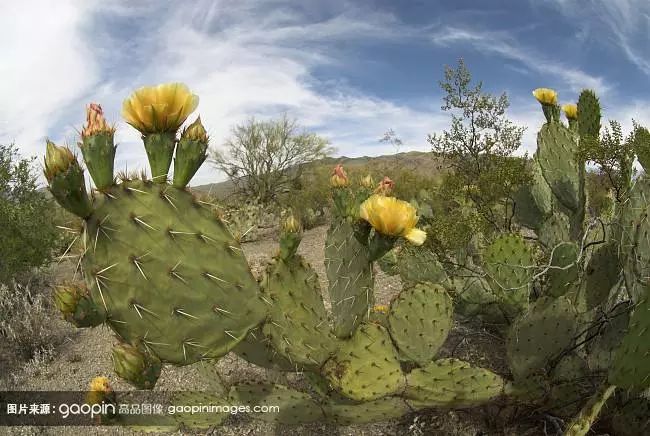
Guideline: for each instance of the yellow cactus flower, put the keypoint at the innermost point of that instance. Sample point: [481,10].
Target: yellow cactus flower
[57,160]
[158,109]
[392,217]
[571,111]
[100,388]
[95,122]
[195,131]
[546,96]
[381,308]
[339,178]
[385,187]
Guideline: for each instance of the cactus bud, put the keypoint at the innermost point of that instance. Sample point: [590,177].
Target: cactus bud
[77,307]
[95,122]
[97,146]
[190,153]
[367,182]
[385,187]
[138,368]
[195,132]
[57,160]
[291,225]
[339,178]
[66,179]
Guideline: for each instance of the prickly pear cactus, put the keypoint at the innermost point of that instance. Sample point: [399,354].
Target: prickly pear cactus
[451,381]
[366,367]
[419,319]
[350,277]
[508,264]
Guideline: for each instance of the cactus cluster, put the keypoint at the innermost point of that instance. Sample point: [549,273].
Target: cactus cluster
[170,279]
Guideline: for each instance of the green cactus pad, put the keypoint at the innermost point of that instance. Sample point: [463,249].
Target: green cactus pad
[557,148]
[168,273]
[256,348]
[508,263]
[349,413]
[635,238]
[601,274]
[451,383]
[563,272]
[419,319]
[534,201]
[631,366]
[350,277]
[298,327]
[554,231]
[366,366]
[569,385]
[295,407]
[473,297]
[540,334]
[607,337]
[588,116]
[419,264]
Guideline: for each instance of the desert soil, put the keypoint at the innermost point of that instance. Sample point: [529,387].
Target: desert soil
[85,353]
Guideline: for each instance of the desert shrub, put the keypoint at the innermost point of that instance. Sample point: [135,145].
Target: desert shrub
[310,191]
[26,318]
[27,228]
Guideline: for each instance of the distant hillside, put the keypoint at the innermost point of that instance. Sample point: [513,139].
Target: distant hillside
[421,162]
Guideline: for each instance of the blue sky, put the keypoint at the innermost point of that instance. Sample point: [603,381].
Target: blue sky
[348,70]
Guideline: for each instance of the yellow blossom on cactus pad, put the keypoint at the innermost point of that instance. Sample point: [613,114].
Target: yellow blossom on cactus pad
[381,308]
[392,217]
[571,111]
[100,384]
[385,186]
[339,179]
[546,96]
[157,109]
[95,122]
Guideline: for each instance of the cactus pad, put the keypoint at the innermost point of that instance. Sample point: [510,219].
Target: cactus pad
[168,273]
[540,334]
[601,274]
[350,277]
[508,263]
[607,337]
[555,230]
[295,407]
[366,366]
[557,147]
[451,383]
[419,320]
[563,272]
[635,237]
[631,366]
[256,348]
[298,326]
[534,201]
[419,264]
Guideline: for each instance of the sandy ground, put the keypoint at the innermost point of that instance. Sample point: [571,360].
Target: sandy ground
[85,353]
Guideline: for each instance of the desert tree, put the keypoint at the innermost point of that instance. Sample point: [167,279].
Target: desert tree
[27,217]
[478,149]
[265,158]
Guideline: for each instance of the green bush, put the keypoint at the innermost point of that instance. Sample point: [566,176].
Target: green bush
[27,218]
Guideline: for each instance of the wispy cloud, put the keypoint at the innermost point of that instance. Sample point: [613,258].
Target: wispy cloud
[502,44]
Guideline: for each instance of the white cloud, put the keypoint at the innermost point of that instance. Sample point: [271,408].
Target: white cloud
[46,65]
[500,43]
